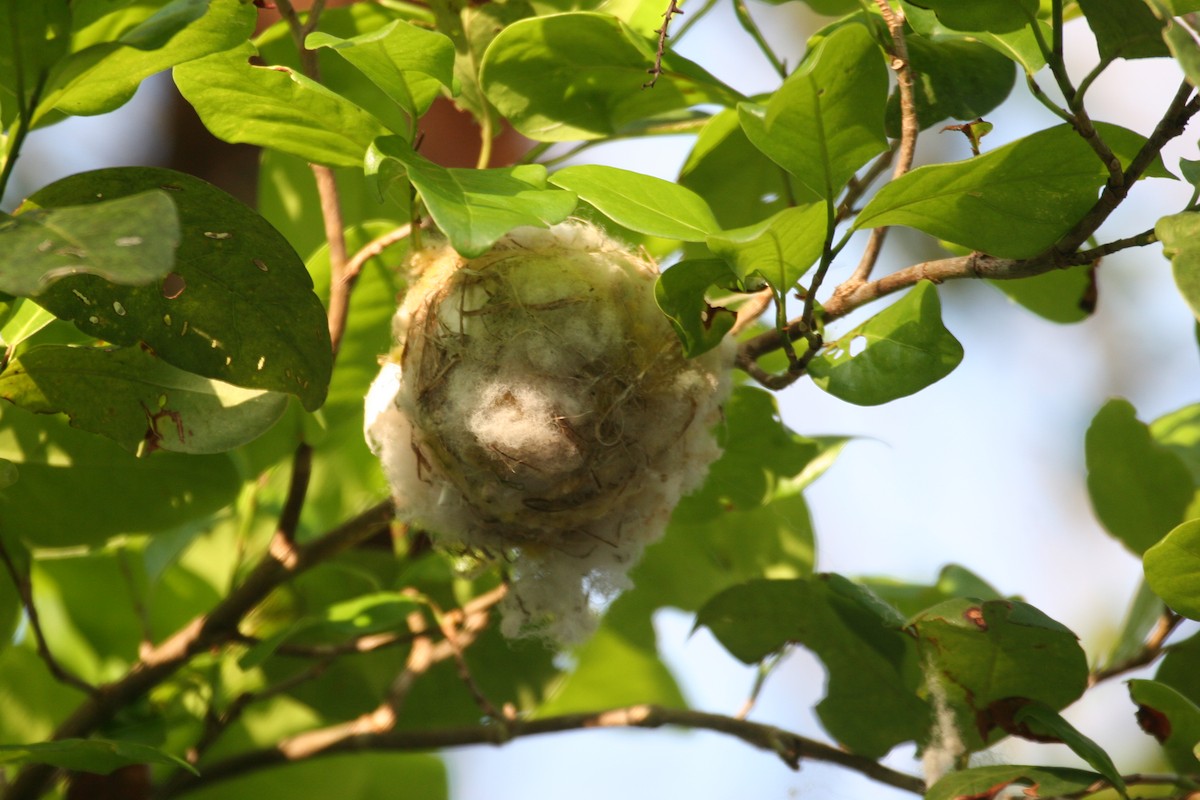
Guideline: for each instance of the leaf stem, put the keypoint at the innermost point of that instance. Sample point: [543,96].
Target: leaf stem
[751,27]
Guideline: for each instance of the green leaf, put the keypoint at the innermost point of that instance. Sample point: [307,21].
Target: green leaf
[362,775]
[680,293]
[36,35]
[1012,202]
[954,79]
[1172,719]
[111,492]
[386,56]
[1061,295]
[996,16]
[276,107]
[1139,488]
[1044,782]
[1040,722]
[761,457]
[1124,29]
[475,207]
[899,351]
[780,249]
[127,240]
[137,400]
[1019,45]
[1180,668]
[579,76]
[1173,569]
[1179,432]
[826,121]
[89,755]
[739,183]
[1179,234]
[239,306]
[105,75]
[871,702]
[625,644]
[640,202]
[953,581]
[994,657]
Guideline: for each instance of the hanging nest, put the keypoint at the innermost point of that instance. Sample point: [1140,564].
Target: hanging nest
[537,408]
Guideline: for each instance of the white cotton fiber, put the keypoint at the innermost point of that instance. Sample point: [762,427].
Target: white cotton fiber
[537,408]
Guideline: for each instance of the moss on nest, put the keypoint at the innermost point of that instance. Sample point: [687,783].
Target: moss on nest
[537,408]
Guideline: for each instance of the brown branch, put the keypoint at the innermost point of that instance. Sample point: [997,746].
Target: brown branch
[1151,649]
[672,9]
[1062,254]
[282,563]
[790,747]
[372,249]
[24,588]
[909,129]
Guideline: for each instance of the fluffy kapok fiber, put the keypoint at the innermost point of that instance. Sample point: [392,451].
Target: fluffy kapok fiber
[537,408]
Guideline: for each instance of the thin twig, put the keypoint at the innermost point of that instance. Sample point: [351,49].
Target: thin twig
[372,249]
[24,587]
[790,747]
[909,129]
[1151,649]
[672,9]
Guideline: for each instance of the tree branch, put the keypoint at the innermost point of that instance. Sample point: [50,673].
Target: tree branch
[282,563]
[790,747]
[24,588]
[1151,649]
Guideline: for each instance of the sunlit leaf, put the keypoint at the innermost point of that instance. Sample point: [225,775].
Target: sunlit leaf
[899,351]
[475,207]
[126,240]
[780,249]
[238,306]
[1039,782]
[640,202]
[826,121]
[137,400]
[1179,235]
[580,75]
[1173,568]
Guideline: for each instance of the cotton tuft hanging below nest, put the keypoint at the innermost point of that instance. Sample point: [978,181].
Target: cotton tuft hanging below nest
[537,408]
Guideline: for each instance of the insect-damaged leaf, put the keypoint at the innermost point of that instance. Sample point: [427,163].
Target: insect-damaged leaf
[238,306]
[137,400]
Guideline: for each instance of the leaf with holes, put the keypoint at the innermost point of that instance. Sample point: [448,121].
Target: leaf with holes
[905,348]
[994,657]
[239,306]
[680,293]
[474,207]
[137,400]
[984,782]
[128,240]
[1172,719]
[74,488]
[276,107]
[641,203]
[826,121]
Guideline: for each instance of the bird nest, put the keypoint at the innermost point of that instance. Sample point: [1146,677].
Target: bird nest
[538,408]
